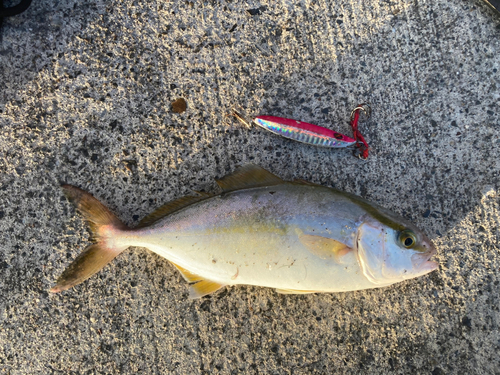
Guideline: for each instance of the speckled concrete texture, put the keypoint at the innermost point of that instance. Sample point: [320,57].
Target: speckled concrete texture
[85,98]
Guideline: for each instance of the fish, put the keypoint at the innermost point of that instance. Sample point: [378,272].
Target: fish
[296,237]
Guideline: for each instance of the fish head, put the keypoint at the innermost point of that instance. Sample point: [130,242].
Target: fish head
[392,253]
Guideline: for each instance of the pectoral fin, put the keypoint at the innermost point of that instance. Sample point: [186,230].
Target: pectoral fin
[203,288]
[324,247]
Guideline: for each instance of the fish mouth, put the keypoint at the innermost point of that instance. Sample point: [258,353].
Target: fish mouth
[422,262]
[429,266]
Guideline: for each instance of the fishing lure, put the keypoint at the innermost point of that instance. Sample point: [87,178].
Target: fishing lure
[309,133]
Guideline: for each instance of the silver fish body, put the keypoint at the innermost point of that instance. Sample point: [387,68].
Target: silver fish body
[251,237]
[294,237]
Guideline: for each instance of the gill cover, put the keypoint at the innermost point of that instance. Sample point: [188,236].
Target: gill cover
[385,259]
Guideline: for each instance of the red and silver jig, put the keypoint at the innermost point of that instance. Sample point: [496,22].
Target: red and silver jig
[313,134]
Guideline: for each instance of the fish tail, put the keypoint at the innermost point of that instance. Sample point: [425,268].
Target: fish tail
[103,225]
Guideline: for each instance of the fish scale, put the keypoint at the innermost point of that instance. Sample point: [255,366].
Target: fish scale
[256,234]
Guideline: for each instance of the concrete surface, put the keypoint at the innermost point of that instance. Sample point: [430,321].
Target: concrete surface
[85,98]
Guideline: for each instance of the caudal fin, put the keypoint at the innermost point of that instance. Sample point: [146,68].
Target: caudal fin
[103,223]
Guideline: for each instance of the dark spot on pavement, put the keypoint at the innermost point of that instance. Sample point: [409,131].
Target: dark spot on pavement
[256,11]
[179,106]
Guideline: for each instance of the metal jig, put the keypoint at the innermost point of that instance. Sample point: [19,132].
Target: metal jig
[299,131]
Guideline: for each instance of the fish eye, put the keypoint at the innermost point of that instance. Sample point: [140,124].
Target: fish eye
[407,239]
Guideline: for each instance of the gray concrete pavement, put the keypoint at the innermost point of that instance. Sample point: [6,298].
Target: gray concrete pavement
[85,98]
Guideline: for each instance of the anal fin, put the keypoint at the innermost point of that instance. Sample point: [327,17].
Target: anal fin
[296,291]
[188,275]
[203,288]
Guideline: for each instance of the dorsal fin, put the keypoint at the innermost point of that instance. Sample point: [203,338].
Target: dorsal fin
[300,181]
[170,208]
[248,176]
[188,275]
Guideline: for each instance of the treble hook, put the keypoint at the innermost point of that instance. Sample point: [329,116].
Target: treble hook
[361,143]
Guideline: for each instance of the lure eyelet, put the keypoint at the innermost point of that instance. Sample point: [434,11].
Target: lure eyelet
[365,107]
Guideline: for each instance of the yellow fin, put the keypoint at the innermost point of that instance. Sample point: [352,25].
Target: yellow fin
[96,214]
[249,176]
[324,247]
[203,288]
[89,262]
[188,275]
[170,208]
[103,223]
[295,291]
